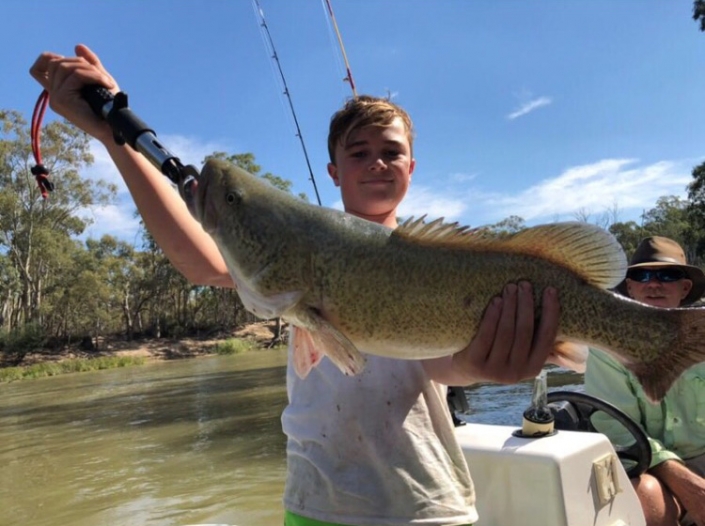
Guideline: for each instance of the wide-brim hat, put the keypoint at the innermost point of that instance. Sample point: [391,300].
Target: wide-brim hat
[661,252]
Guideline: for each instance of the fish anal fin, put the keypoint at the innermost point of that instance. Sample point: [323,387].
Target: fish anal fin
[570,355]
[315,337]
[655,380]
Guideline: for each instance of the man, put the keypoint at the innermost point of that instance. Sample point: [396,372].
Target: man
[673,488]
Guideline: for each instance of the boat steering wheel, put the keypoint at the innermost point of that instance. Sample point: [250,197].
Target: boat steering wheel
[572,411]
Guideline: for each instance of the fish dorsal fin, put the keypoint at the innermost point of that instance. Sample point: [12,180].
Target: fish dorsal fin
[435,231]
[587,250]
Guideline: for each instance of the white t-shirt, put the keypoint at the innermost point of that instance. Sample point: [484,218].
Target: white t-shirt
[374,449]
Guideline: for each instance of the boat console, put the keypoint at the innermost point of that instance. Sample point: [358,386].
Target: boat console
[567,479]
[542,476]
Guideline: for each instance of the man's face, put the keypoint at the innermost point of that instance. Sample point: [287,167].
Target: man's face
[653,291]
[373,170]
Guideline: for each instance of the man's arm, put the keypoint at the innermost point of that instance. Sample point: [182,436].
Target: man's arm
[606,379]
[685,485]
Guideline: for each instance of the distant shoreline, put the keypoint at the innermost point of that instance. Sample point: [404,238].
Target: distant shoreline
[123,353]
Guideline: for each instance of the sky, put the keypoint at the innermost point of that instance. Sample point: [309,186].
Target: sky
[544,109]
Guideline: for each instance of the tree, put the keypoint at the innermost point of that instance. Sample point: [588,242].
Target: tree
[669,218]
[696,211]
[699,13]
[32,230]
[628,234]
[510,225]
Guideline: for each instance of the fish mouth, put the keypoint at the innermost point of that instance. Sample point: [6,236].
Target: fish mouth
[194,193]
[188,187]
[188,193]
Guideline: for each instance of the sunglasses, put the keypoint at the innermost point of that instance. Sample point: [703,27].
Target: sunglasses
[664,275]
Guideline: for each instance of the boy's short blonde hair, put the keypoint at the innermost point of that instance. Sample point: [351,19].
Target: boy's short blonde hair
[362,111]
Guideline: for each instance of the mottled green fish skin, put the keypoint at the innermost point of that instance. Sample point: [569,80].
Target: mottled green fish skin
[404,296]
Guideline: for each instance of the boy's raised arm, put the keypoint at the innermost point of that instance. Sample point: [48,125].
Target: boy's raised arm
[166,217]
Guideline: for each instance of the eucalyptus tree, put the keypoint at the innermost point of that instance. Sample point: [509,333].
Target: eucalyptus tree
[669,218]
[696,209]
[699,13]
[31,228]
[629,234]
[113,263]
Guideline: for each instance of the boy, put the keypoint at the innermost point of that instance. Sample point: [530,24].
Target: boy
[377,448]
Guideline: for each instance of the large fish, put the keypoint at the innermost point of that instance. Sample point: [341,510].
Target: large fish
[419,291]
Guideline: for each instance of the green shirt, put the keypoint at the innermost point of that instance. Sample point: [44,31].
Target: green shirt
[675,426]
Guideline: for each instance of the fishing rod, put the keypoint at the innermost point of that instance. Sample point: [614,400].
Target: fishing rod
[129,129]
[275,57]
[349,76]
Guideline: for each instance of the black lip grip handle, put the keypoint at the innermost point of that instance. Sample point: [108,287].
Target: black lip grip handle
[98,98]
[130,129]
[126,126]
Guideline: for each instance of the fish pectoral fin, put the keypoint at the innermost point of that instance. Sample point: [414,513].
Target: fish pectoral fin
[570,355]
[305,355]
[315,337]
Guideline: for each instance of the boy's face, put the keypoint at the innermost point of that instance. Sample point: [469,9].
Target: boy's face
[373,170]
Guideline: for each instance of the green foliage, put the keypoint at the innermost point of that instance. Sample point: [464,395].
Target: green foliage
[81,290]
[508,226]
[17,343]
[628,234]
[699,13]
[35,234]
[234,346]
[40,370]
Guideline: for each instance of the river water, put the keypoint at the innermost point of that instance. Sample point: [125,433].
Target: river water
[171,443]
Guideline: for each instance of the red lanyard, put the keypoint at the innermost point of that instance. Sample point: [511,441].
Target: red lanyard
[39,170]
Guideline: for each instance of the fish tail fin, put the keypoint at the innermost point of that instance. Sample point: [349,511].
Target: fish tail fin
[685,350]
[570,355]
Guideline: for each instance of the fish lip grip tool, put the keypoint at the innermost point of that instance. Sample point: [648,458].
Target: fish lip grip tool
[128,128]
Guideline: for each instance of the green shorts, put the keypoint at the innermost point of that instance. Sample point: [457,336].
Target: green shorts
[291,519]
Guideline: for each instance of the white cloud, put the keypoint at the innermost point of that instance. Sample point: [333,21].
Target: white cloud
[461,177]
[528,107]
[594,188]
[118,219]
[421,200]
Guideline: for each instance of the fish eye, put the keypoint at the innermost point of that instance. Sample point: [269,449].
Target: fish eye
[231,198]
